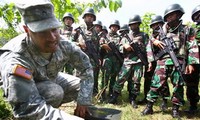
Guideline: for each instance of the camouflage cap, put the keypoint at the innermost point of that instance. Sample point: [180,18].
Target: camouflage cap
[38,16]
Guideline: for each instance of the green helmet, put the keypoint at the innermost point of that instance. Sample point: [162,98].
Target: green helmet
[115,22]
[173,8]
[156,19]
[135,19]
[195,11]
[124,27]
[98,22]
[68,15]
[89,11]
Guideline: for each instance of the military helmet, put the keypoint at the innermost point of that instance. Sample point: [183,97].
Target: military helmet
[89,11]
[156,19]
[195,10]
[173,8]
[105,28]
[135,19]
[115,22]
[98,22]
[124,27]
[68,15]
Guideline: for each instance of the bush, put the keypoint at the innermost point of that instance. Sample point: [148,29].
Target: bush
[5,108]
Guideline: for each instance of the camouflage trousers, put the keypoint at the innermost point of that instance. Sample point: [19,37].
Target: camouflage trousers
[110,70]
[96,69]
[147,82]
[131,73]
[34,100]
[159,81]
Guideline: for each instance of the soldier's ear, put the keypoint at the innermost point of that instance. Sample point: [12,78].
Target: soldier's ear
[25,28]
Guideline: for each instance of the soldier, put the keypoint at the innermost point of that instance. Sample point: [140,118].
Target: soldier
[98,26]
[91,35]
[111,64]
[132,68]
[30,69]
[165,67]
[192,80]
[68,20]
[155,22]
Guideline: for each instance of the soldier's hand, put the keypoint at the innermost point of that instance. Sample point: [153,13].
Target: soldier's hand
[189,69]
[81,111]
[82,45]
[149,67]
[106,47]
[127,47]
[159,44]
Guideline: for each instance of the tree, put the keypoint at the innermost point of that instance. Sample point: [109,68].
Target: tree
[12,18]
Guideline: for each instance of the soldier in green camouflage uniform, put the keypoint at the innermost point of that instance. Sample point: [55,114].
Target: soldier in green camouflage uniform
[110,65]
[31,64]
[176,30]
[156,21]
[91,34]
[132,68]
[68,20]
[192,80]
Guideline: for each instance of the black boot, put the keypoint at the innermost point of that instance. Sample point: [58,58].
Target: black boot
[143,101]
[148,110]
[132,99]
[113,98]
[193,109]
[163,105]
[175,111]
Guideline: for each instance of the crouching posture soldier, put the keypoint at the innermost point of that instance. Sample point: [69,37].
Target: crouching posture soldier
[132,68]
[174,49]
[155,22]
[30,65]
[192,80]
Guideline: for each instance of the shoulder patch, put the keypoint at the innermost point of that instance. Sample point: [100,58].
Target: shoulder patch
[22,72]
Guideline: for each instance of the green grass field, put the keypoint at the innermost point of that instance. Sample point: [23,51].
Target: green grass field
[128,113]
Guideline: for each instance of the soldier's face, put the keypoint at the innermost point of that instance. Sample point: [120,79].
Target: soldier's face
[68,21]
[172,17]
[89,18]
[47,41]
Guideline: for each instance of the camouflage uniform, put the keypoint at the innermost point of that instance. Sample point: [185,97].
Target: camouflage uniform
[156,21]
[68,33]
[92,35]
[31,79]
[111,64]
[192,80]
[186,49]
[132,68]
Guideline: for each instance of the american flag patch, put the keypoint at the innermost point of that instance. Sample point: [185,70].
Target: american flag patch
[22,72]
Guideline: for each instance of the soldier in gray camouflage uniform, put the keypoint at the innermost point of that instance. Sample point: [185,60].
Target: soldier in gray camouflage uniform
[30,65]
[185,49]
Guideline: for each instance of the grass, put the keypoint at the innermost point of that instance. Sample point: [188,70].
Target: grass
[128,113]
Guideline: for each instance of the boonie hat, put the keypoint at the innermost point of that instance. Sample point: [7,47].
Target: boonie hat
[38,15]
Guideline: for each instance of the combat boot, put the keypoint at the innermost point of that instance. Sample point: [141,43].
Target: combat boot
[193,109]
[163,105]
[149,109]
[113,99]
[175,111]
[132,99]
[143,101]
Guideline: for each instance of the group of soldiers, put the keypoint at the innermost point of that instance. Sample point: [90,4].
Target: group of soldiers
[124,53]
